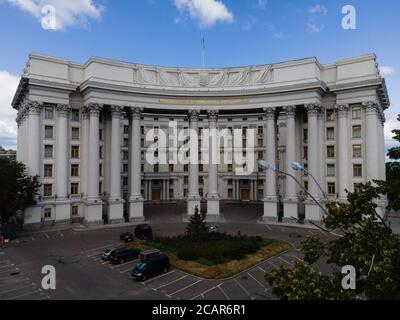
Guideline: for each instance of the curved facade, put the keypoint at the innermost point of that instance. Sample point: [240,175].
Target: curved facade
[86,130]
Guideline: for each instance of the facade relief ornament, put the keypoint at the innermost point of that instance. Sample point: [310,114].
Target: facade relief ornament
[213,114]
[270,113]
[33,107]
[194,115]
[370,106]
[94,109]
[313,109]
[342,109]
[116,111]
[63,110]
[136,113]
[85,113]
[290,111]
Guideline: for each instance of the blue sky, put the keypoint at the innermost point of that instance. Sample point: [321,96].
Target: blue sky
[169,32]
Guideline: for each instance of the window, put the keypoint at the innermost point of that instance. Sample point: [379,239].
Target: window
[126,142]
[330,151]
[74,211]
[330,115]
[260,119]
[100,152]
[171,168]
[171,193]
[305,152]
[75,115]
[305,135]
[49,113]
[201,192]
[48,151]
[101,134]
[124,181]
[230,193]
[142,130]
[306,185]
[48,132]
[186,168]
[75,152]
[126,129]
[260,142]
[171,182]
[230,182]
[125,168]
[75,134]
[357,187]
[356,112]
[47,190]
[331,188]
[260,182]
[100,170]
[357,151]
[229,168]
[47,213]
[156,168]
[330,133]
[74,188]
[125,155]
[185,192]
[356,132]
[74,170]
[357,170]
[330,170]
[185,180]
[142,143]
[48,170]
[260,155]
[142,167]
[260,130]
[100,187]
[201,180]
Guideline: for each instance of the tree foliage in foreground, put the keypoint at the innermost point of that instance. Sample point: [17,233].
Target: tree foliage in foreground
[366,243]
[17,188]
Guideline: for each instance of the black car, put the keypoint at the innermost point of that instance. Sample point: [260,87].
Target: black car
[155,266]
[126,237]
[143,232]
[122,256]
[108,253]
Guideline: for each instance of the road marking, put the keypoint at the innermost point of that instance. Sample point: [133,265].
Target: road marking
[269,228]
[224,293]
[60,233]
[127,270]
[158,277]
[176,280]
[262,285]
[262,269]
[285,261]
[184,288]
[309,231]
[23,295]
[204,292]
[11,290]
[106,262]
[244,289]
[296,258]
[7,265]
[122,264]
[103,247]
[272,264]
[47,236]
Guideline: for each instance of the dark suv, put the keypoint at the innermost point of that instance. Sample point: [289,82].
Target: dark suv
[108,253]
[143,232]
[122,256]
[156,265]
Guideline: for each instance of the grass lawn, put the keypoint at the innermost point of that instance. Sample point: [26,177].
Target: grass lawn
[217,257]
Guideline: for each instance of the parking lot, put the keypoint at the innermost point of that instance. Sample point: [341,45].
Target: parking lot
[82,274]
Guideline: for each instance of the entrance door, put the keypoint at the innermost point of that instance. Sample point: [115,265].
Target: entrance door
[156,195]
[245,195]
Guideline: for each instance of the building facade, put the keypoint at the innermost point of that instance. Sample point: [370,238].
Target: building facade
[84,130]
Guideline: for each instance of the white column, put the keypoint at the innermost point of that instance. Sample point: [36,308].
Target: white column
[290,200]
[115,202]
[94,204]
[136,198]
[63,204]
[33,109]
[313,212]
[193,200]
[270,198]
[343,151]
[85,152]
[213,209]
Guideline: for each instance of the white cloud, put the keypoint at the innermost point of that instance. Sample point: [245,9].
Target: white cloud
[8,126]
[318,9]
[315,27]
[278,35]
[386,71]
[262,4]
[206,12]
[67,12]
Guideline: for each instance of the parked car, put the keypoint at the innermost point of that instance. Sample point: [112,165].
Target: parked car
[122,256]
[157,265]
[108,253]
[212,228]
[126,237]
[143,232]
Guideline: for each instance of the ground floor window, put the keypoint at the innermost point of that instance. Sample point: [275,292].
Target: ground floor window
[74,211]
[47,213]
[331,188]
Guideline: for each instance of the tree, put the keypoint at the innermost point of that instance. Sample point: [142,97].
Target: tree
[18,189]
[365,242]
[196,228]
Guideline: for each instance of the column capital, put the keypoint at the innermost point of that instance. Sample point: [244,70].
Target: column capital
[313,109]
[342,109]
[371,106]
[136,113]
[270,113]
[116,110]
[85,113]
[290,110]
[194,115]
[33,107]
[213,114]
[94,108]
[63,110]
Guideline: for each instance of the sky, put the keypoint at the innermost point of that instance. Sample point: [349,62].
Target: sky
[170,33]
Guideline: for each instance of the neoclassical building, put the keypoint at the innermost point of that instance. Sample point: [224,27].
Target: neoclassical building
[83,129]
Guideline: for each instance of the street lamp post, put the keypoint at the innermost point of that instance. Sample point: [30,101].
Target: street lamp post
[299,167]
[265,165]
